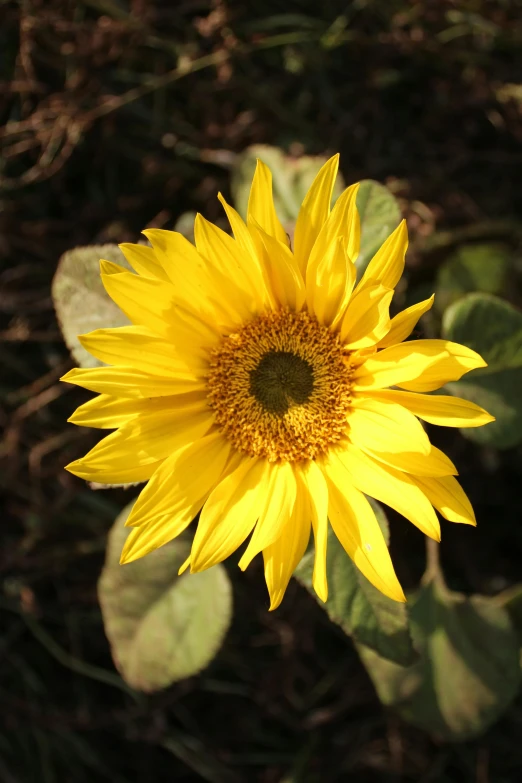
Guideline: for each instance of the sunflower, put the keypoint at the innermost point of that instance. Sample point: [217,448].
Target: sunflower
[254,388]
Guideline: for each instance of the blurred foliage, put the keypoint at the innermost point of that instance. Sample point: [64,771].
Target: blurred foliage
[162,628]
[361,610]
[477,267]
[469,668]
[80,300]
[492,327]
[116,115]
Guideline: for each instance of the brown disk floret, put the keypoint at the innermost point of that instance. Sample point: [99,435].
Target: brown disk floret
[281,387]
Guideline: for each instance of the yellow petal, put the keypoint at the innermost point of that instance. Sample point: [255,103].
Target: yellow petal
[367,318]
[314,212]
[183,567]
[239,228]
[199,287]
[286,282]
[387,265]
[390,486]
[142,349]
[129,383]
[438,409]
[343,221]
[143,260]
[180,486]
[229,514]
[436,463]
[274,512]
[282,557]
[252,244]
[153,303]
[453,361]
[389,366]
[404,323]
[242,270]
[448,497]
[355,525]
[318,500]
[106,412]
[110,268]
[174,495]
[132,453]
[329,283]
[110,462]
[383,426]
[429,363]
[261,207]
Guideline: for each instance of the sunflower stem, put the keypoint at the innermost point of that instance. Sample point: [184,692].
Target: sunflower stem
[433,570]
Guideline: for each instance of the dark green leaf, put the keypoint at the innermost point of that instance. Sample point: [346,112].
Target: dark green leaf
[492,327]
[478,267]
[511,600]
[361,610]
[468,672]
[162,627]
[80,300]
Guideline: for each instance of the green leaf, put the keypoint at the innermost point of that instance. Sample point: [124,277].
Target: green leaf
[361,610]
[291,179]
[80,300]
[476,267]
[380,215]
[511,600]
[161,627]
[468,672]
[492,327]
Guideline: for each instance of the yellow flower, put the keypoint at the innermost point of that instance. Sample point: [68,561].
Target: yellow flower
[253,386]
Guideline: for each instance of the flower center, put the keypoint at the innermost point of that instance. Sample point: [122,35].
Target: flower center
[280,380]
[281,387]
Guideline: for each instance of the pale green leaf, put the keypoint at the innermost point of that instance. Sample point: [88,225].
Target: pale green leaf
[380,215]
[185,225]
[80,300]
[468,671]
[161,627]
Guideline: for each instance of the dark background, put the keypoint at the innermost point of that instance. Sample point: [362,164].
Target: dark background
[100,139]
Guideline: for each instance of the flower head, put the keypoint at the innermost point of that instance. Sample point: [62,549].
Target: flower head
[254,387]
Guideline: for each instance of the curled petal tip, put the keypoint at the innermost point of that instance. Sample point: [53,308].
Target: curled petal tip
[322,595]
[74,467]
[68,375]
[184,566]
